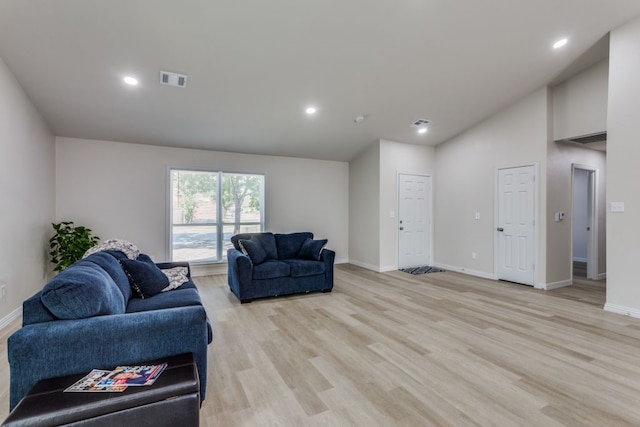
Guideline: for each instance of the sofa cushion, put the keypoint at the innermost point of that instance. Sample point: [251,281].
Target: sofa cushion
[288,245]
[266,239]
[301,268]
[177,276]
[253,249]
[108,261]
[176,298]
[145,277]
[271,269]
[311,249]
[82,290]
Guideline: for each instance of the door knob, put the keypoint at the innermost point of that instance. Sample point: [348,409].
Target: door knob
[500,229]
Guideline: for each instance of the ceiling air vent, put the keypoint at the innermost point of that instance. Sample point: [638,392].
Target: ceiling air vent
[173,79]
[598,137]
[419,122]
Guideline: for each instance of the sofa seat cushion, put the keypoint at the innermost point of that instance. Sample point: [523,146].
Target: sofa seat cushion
[289,245]
[271,269]
[171,299]
[301,268]
[82,290]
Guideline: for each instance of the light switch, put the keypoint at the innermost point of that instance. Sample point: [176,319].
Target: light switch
[617,206]
[477,215]
[392,214]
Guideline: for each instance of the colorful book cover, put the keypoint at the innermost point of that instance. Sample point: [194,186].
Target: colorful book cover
[90,383]
[132,375]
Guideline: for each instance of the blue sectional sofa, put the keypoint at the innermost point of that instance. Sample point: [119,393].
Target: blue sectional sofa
[266,264]
[93,315]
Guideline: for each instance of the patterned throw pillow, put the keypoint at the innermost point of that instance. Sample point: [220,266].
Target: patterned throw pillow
[177,277]
[127,248]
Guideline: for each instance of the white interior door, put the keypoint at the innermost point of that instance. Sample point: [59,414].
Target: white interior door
[516,226]
[414,220]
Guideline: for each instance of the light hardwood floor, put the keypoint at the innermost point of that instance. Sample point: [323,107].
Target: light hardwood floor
[387,349]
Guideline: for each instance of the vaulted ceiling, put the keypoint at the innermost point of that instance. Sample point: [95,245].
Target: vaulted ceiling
[254,66]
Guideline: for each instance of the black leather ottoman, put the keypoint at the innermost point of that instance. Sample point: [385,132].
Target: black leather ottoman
[173,400]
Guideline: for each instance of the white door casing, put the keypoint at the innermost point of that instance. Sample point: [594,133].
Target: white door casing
[516,225]
[414,220]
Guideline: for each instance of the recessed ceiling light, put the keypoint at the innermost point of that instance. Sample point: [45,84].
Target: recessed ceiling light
[422,130]
[311,110]
[560,43]
[132,81]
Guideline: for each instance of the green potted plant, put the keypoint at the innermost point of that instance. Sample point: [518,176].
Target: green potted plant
[69,244]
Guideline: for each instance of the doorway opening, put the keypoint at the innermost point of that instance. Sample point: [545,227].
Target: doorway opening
[584,235]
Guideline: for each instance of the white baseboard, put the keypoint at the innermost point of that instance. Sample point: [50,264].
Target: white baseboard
[556,285]
[372,267]
[470,272]
[6,320]
[601,276]
[626,311]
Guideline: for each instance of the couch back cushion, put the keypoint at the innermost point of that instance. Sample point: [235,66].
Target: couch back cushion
[108,260]
[288,245]
[82,290]
[266,240]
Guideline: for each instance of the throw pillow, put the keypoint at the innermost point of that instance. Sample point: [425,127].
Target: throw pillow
[127,248]
[145,277]
[311,249]
[177,277]
[253,249]
[82,290]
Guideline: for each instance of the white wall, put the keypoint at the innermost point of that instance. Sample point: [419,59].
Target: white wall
[364,208]
[27,187]
[396,157]
[465,183]
[623,173]
[373,180]
[120,191]
[580,103]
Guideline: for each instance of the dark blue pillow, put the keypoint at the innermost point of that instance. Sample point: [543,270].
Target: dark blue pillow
[82,290]
[254,250]
[311,249]
[145,277]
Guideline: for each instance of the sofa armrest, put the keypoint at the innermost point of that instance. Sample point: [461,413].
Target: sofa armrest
[167,265]
[65,347]
[328,257]
[239,272]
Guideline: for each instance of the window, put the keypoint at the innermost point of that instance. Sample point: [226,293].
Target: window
[207,208]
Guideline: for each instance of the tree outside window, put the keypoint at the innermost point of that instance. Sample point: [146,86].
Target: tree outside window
[207,208]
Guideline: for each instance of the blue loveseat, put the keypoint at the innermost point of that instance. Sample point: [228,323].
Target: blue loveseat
[266,264]
[92,316]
